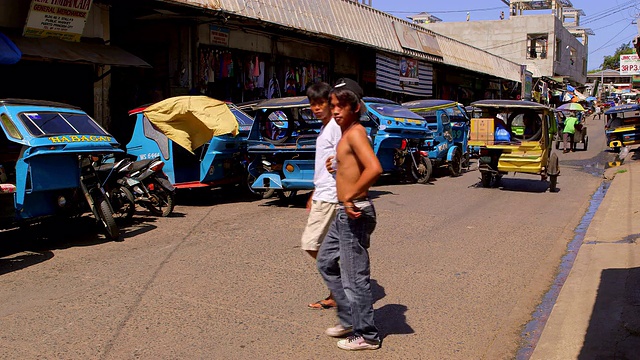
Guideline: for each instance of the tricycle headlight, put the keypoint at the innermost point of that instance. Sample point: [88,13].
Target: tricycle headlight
[62,201]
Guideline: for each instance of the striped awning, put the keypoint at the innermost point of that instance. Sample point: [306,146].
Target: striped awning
[388,77]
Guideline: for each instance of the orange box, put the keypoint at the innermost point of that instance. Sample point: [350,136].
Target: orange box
[482,130]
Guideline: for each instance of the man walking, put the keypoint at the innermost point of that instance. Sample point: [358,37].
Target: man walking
[357,169]
[322,204]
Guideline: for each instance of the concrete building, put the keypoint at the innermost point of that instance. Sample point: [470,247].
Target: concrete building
[609,82]
[550,45]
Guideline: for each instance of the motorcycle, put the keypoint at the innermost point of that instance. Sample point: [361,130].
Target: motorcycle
[414,163]
[150,186]
[112,176]
[96,197]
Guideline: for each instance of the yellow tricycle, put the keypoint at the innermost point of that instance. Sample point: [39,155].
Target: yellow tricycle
[514,136]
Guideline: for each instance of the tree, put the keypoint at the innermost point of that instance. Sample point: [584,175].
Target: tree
[613,61]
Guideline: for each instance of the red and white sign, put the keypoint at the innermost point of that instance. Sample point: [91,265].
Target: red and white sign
[63,19]
[629,64]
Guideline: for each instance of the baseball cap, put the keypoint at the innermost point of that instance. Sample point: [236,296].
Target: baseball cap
[348,84]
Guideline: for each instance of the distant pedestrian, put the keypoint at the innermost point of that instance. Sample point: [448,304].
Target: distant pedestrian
[501,15]
[468,16]
[598,112]
[568,132]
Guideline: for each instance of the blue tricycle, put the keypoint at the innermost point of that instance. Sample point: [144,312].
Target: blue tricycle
[450,125]
[281,147]
[202,141]
[46,150]
[397,135]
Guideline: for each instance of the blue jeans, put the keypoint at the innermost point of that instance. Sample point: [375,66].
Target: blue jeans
[349,278]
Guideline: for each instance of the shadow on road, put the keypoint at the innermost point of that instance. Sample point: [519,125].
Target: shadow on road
[23,260]
[391,320]
[377,291]
[32,244]
[614,326]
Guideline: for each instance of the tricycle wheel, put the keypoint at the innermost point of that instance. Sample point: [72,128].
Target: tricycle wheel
[557,144]
[455,165]
[486,179]
[553,183]
[106,218]
[586,143]
[263,194]
[422,173]
[286,195]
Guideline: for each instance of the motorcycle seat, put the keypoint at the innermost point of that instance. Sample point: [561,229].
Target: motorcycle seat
[141,164]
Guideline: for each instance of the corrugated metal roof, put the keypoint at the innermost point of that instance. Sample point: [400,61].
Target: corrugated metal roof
[361,24]
[458,54]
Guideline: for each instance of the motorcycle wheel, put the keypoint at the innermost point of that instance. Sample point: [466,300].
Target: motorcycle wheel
[162,202]
[422,173]
[455,166]
[125,201]
[107,220]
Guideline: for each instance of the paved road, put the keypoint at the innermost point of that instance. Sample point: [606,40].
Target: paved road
[457,270]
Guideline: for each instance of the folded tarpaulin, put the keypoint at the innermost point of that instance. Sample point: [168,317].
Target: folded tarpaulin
[78,52]
[9,52]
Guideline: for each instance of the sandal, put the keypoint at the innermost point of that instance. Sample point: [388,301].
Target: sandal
[323,304]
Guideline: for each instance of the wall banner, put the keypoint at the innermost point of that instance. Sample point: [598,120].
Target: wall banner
[62,19]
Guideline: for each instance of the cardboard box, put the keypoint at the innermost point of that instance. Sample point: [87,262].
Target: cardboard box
[482,130]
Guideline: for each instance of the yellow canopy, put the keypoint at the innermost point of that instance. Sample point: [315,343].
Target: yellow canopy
[191,121]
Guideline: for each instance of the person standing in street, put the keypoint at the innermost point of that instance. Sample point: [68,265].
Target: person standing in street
[357,168]
[323,202]
[598,112]
[568,132]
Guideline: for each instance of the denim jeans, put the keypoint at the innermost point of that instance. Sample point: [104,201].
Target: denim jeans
[349,278]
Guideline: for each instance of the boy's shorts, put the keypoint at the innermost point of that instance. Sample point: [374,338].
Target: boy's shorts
[321,216]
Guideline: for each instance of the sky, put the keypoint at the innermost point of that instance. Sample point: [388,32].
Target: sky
[612,21]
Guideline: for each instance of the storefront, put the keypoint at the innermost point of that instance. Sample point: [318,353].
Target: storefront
[239,65]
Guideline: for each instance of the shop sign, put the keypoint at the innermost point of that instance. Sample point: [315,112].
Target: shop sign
[218,35]
[409,70]
[629,64]
[62,19]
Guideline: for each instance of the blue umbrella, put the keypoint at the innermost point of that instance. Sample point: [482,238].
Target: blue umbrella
[592,98]
[9,52]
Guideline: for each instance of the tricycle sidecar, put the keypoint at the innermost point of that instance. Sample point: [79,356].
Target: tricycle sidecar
[502,150]
[622,126]
[197,151]
[281,146]
[449,123]
[46,151]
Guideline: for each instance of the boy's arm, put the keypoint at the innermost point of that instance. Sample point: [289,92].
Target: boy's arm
[364,154]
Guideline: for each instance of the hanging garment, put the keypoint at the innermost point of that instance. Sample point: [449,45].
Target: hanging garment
[256,68]
[260,81]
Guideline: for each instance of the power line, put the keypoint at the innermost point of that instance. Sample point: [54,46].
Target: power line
[610,40]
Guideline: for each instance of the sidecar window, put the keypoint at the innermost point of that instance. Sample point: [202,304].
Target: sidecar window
[11,127]
[54,123]
[84,124]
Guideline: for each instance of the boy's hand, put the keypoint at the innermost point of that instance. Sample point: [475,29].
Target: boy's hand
[352,211]
[329,165]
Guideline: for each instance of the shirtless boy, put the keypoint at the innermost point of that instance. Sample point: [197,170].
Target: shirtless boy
[357,169]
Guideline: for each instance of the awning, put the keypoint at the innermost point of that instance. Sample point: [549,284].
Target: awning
[9,52]
[56,49]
